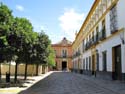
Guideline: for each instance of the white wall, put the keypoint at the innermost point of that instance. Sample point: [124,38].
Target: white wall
[111,42]
[107,46]
[121,13]
[86,55]
[121,24]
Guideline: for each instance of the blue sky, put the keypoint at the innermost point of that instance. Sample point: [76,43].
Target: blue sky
[58,18]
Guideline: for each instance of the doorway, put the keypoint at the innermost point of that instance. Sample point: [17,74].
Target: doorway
[93,64]
[64,65]
[117,74]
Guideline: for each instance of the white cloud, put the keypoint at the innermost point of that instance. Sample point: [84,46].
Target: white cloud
[19,8]
[71,22]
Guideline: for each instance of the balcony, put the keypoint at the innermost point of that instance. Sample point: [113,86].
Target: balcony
[77,54]
[95,39]
[114,27]
[102,34]
[63,56]
[113,20]
[88,45]
[92,41]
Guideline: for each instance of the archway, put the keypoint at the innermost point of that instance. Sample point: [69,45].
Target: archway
[64,65]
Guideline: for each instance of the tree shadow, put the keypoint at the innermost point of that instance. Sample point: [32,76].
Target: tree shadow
[41,86]
[20,83]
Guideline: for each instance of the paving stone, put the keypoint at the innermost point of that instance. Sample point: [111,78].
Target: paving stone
[71,83]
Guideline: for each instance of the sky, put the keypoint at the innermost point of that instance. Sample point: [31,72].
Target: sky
[57,18]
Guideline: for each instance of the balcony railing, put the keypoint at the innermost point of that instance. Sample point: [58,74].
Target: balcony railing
[114,27]
[113,20]
[102,34]
[77,54]
[63,56]
[95,39]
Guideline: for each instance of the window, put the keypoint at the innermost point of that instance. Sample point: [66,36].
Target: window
[89,62]
[86,39]
[79,53]
[83,46]
[64,53]
[103,23]
[97,32]
[113,19]
[86,63]
[103,32]
[86,44]
[104,61]
[83,63]
[97,61]
[89,36]
[93,36]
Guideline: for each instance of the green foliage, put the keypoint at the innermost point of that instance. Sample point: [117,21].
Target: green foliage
[18,41]
[5,24]
[51,57]
[5,19]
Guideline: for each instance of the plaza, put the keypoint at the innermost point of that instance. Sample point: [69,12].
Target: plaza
[72,83]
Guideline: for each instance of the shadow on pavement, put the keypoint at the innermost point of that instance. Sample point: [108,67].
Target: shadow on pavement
[34,89]
[20,83]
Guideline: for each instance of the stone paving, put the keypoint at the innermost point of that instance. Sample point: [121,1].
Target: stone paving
[72,83]
[31,80]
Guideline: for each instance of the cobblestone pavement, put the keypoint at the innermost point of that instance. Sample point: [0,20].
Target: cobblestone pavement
[71,83]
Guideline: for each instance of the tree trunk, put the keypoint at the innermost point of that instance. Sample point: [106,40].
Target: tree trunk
[0,72]
[37,69]
[26,65]
[9,67]
[16,66]
[43,69]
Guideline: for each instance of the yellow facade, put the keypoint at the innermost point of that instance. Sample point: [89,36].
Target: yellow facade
[92,20]
[31,70]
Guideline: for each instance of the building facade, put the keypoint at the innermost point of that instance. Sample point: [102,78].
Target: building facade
[99,46]
[63,52]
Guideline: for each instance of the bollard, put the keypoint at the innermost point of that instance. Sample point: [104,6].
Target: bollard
[7,77]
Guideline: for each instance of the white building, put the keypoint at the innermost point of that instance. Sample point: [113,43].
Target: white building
[99,47]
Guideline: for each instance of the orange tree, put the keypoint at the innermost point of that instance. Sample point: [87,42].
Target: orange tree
[6,18]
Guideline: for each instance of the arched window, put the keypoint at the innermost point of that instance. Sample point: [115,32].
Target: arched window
[64,53]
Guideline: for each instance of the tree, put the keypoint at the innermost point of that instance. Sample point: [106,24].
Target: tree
[19,38]
[2,45]
[19,43]
[42,49]
[51,57]
[5,19]
[5,24]
[24,32]
[39,50]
